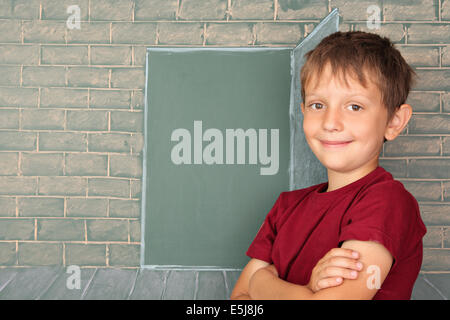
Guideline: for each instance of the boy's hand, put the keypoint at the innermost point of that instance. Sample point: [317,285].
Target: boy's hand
[337,264]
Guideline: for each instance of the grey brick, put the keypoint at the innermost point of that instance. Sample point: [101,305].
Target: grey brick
[412,146]
[17,185]
[393,31]
[109,187]
[435,214]
[446,102]
[420,56]
[10,76]
[134,33]
[107,230]
[231,34]
[43,119]
[445,10]
[41,207]
[57,9]
[130,78]
[446,145]
[111,55]
[155,10]
[17,54]
[446,237]
[211,285]
[300,10]
[137,99]
[109,142]
[62,141]
[41,31]
[12,31]
[78,207]
[257,9]
[433,237]
[8,163]
[64,98]
[90,32]
[8,254]
[139,55]
[60,229]
[424,190]
[436,260]
[429,33]
[67,55]
[433,80]
[124,255]
[110,99]
[7,207]
[20,9]
[136,189]
[446,56]
[123,208]
[19,97]
[88,77]
[111,10]
[126,166]
[135,231]
[9,119]
[433,123]
[85,164]
[44,76]
[87,120]
[396,167]
[40,254]
[429,168]
[424,101]
[62,186]
[127,121]
[180,33]
[275,33]
[86,254]
[446,190]
[20,141]
[353,10]
[203,10]
[410,10]
[17,229]
[42,164]
[137,143]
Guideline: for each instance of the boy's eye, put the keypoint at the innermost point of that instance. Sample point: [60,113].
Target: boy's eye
[357,107]
[319,106]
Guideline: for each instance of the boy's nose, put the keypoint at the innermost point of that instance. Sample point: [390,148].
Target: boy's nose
[332,119]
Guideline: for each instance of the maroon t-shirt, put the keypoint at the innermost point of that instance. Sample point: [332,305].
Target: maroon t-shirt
[305,224]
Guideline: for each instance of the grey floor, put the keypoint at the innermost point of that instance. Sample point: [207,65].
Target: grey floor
[47,283]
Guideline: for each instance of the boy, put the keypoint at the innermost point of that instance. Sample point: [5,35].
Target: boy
[354,89]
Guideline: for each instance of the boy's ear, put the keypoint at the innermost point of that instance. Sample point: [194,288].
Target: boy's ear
[398,122]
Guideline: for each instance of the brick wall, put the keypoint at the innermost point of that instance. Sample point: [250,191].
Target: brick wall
[71,112]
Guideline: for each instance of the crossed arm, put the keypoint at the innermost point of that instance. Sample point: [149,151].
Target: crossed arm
[258,282]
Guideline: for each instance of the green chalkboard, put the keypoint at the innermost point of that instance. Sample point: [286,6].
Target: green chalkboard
[217,151]
[223,138]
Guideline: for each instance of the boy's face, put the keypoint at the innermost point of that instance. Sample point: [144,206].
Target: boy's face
[336,113]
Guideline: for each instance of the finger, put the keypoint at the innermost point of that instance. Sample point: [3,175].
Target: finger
[329,282]
[338,272]
[344,262]
[343,252]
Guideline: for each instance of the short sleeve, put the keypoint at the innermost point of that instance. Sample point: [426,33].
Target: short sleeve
[385,213]
[261,247]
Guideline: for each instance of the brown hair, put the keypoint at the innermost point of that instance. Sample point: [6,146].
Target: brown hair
[358,51]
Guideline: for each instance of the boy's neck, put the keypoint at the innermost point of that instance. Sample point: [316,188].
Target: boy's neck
[338,179]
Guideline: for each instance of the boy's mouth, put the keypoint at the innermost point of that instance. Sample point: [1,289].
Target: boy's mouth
[334,144]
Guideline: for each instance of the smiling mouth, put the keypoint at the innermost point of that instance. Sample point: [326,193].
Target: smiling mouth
[335,144]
